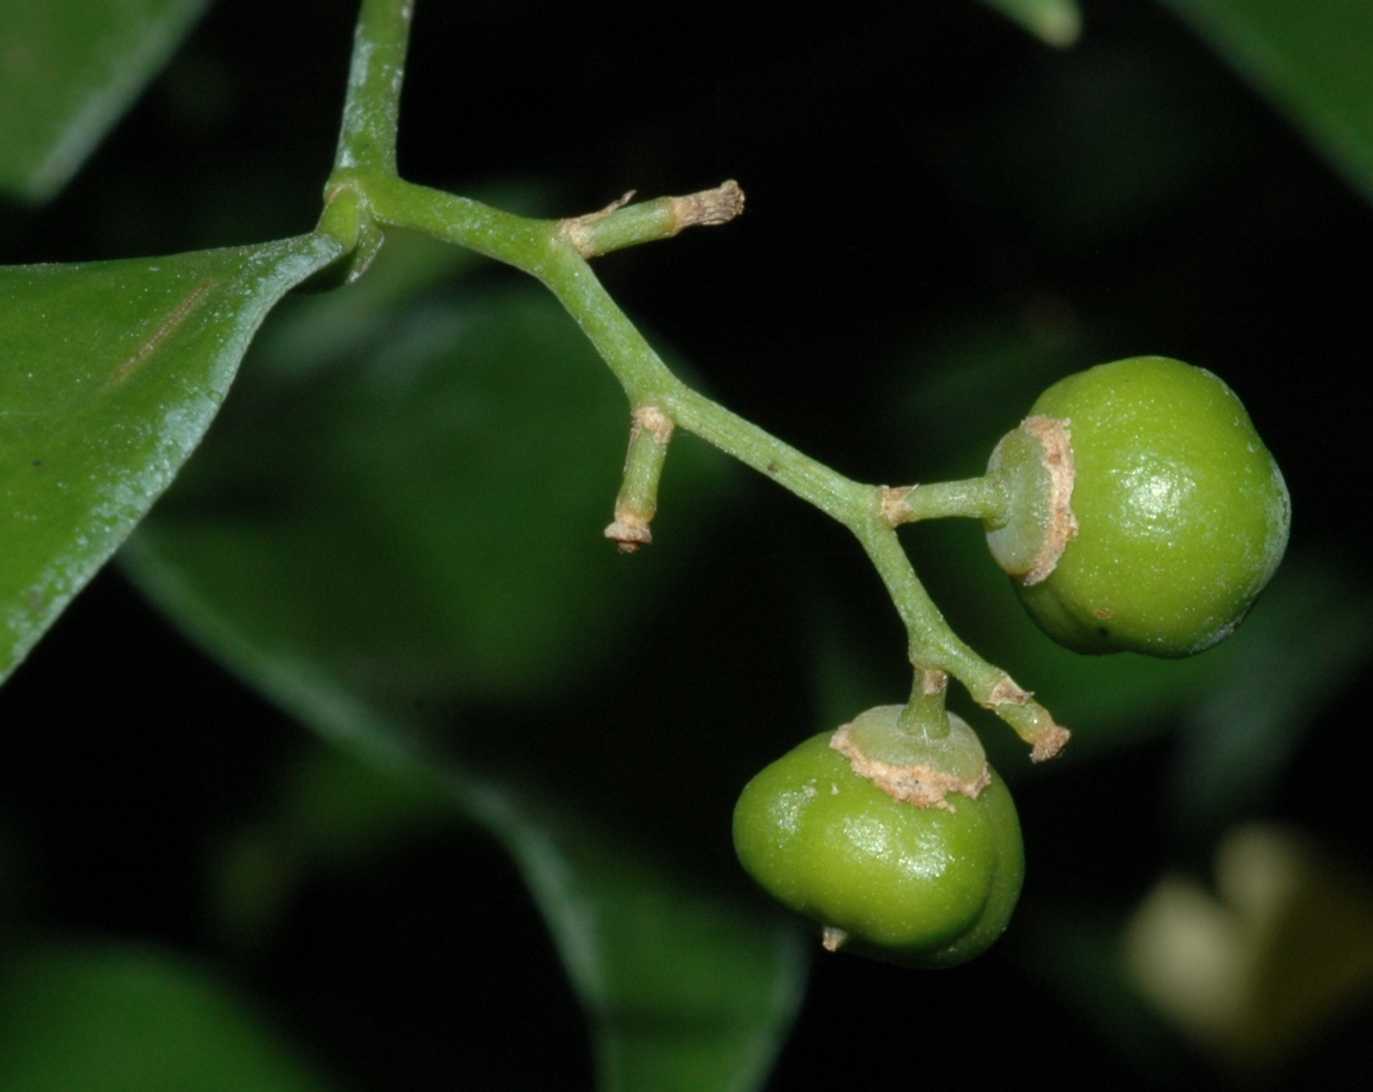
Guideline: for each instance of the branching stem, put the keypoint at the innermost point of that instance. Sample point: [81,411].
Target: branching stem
[556,252]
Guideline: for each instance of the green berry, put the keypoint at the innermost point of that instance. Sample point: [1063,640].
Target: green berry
[1145,513]
[925,886]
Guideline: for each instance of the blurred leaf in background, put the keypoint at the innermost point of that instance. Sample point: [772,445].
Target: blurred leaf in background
[1242,733]
[415,567]
[1311,60]
[119,1016]
[332,813]
[1057,22]
[68,71]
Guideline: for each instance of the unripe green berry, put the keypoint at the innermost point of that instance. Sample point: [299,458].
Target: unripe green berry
[924,886]
[1145,513]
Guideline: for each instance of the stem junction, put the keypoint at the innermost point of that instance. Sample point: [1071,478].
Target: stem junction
[365,195]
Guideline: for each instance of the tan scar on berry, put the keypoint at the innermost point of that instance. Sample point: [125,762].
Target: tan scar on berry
[1055,441]
[918,784]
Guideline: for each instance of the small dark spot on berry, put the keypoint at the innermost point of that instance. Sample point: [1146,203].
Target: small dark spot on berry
[772,468]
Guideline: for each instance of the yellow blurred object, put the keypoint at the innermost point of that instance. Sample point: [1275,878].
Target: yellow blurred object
[1256,973]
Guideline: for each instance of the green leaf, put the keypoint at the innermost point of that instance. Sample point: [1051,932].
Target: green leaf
[68,70]
[1055,22]
[401,543]
[121,1018]
[1312,60]
[111,374]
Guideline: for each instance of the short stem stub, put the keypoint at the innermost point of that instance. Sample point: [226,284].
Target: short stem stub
[974,498]
[1017,707]
[621,224]
[637,501]
[924,714]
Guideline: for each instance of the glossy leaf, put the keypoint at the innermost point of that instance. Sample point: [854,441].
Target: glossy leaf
[118,1017]
[68,70]
[402,545]
[1312,60]
[112,372]
[1057,22]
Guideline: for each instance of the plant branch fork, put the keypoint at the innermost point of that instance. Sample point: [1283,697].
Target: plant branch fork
[365,195]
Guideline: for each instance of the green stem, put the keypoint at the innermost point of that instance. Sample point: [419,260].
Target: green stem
[977,498]
[364,192]
[367,141]
[637,502]
[846,501]
[543,249]
[924,713]
[515,240]
[622,225]
[931,640]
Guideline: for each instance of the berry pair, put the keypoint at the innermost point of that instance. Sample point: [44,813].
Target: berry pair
[1139,511]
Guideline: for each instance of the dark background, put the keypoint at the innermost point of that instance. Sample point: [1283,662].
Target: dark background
[925,184]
